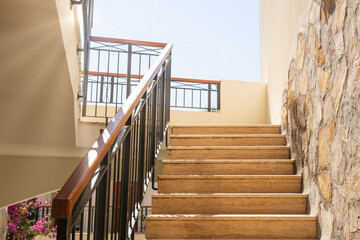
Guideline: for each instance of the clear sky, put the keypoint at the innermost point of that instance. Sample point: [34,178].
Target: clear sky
[213,39]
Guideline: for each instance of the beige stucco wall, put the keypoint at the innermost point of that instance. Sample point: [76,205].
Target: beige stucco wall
[23,177]
[70,32]
[240,103]
[280,21]
[36,90]
[39,75]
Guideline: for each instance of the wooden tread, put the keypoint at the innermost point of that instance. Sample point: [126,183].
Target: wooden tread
[229,203]
[230,226]
[229,152]
[229,184]
[228,140]
[228,167]
[226,129]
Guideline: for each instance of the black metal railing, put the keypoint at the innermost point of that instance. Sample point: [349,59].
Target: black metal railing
[43,212]
[114,175]
[193,94]
[140,224]
[104,88]
[87,7]
[107,91]
[86,228]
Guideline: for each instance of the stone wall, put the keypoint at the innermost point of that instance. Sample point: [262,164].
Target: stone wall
[321,115]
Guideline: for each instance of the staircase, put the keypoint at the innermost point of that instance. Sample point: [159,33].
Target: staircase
[229,182]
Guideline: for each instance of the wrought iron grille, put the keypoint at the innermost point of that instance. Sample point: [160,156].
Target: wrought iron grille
[195,96]
[104,86]
[115,68]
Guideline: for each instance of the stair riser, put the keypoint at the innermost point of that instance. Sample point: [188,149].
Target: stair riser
[226,141]
[229,205]
[230,229]
[225,130]
[228,153]
[250,185]
[228,169]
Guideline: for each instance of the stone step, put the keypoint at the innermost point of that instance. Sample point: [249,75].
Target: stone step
[229,152]
[228,140]
[225,129]
[230,227]
[229,184]
[230,203]
[228,167]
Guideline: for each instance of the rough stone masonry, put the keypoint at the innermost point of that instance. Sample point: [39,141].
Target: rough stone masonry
[321,115]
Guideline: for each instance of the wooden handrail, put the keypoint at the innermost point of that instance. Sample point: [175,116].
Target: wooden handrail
[175,79]
[127,41]
[64,202]
[194,80]
[112,74]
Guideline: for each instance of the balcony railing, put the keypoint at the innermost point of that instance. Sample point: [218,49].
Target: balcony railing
[195,94]
[104,88]
[117,170]
[106,92]
[115,68]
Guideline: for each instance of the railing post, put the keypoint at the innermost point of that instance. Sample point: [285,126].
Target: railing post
[153,146]
[63,229]
[112,90]
[161,107]
[101,88]
[218,96]
[128,76]
[102,203]
[87,16]
[125,183]
[168,87]
[142,147]
[209,97]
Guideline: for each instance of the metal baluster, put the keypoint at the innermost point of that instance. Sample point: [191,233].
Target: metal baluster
[176,97]
[125,184]
[63,228]
[142,149]
[154,133]
[89,220]
[209,97]
[132,170]
[114,207]
[128,77]
[139,66]
[82,226]
[117,81]
[108,216]
[118,193]
[200,99]
[192,98]
[141,219]
[73,233]
[101,88]
[101,205]
[218,96]
[97,82]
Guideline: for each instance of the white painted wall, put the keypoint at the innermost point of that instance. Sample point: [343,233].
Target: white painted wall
[280,21]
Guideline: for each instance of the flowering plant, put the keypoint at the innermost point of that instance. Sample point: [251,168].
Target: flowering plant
[23,223]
